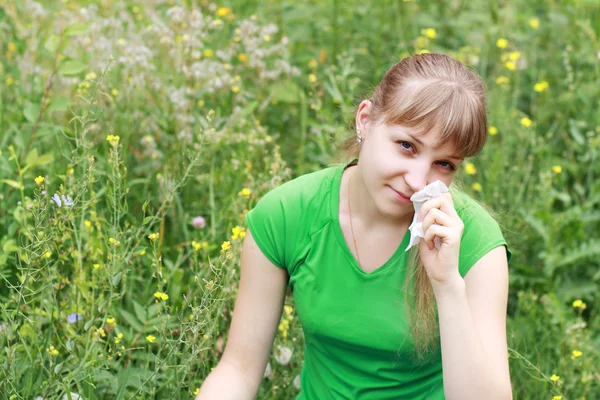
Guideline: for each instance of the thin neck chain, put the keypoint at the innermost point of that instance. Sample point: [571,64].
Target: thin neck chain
[351,227]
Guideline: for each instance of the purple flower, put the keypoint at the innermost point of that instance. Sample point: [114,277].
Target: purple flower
[74,317]
[68,202]
[199,222]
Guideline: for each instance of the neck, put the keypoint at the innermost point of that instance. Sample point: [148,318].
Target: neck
[364,209]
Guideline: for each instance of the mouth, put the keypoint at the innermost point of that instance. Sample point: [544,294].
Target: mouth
[400,194]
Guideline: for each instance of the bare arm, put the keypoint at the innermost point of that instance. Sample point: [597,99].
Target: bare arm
[256,315]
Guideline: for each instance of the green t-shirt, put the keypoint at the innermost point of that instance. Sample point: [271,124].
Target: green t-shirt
[358,342]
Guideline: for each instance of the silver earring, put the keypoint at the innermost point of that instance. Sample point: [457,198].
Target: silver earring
[359,138]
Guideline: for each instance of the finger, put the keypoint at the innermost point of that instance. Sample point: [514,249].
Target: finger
[437,216]
[443,202]
[437,230]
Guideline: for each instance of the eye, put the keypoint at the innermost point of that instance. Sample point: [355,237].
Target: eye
[447,165]
[405,145]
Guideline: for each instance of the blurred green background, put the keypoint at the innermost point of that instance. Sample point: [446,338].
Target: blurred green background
[157,124]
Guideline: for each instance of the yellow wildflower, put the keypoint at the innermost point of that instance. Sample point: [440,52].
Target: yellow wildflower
[143,252]
[243,58]
[288,310]
[90,75]
[135,9]
[12,47]
[223,11]
[501,43]
[153,236]
[9,80]
[39,180]
[554,378]
[557,398]
[312,78]
[114,92]
[48,254]
[502,80]
[52,351]
[557,169]
[113,140]
[161,295]
[245,192]
[267,38]
[423,51]
[576,353]
[534,22]
[510,65]
[208,53]
[226,245]
[113,241]
[470,169]
[238,232]
[196,391]
[492,130]
[111,321]
[217,22]
[514,55]
[477,187]
[313,63]
[150,338]
[96,266]
[100,332]
[541,86]
[429,33]
[526,122]
[235,89]
[197,246]
[87,224]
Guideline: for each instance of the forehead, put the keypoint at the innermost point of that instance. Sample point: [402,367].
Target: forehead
[430,139]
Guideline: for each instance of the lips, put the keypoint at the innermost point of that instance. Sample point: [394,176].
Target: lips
[405,197]
[400,193]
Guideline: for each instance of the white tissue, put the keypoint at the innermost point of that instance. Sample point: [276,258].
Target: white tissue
[430,191]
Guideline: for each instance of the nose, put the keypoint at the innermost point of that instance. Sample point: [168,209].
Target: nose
[416,178]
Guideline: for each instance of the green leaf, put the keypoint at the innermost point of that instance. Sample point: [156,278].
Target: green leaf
[12,183]
[51,44]
[132,321]
[286,92]
[31,157]
[58,368]
[71,67]
[31,112]
[88,324]
[10,246]
[44,159]
[139,311]
[116,279]
[76,29]
[58,104]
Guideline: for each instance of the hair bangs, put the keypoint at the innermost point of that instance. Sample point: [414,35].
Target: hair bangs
[444,107]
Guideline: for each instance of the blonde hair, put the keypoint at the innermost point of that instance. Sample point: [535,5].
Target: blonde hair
[428,92]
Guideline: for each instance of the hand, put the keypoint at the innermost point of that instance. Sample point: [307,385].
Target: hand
[441,220]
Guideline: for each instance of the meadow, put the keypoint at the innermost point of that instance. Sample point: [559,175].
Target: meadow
[135,135]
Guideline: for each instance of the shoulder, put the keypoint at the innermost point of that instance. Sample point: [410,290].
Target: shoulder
[470,209]
[304,189]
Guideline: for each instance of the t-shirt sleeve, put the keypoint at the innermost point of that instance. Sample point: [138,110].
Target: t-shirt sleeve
[271,223]
[480,235]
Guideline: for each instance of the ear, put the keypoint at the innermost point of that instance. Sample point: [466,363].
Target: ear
[363,115]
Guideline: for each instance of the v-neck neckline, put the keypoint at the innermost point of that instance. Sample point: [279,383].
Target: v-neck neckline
[335,215]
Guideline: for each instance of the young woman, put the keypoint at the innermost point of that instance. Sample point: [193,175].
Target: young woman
[381,322]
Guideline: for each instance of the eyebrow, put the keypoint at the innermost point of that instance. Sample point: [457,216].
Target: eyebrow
[454,157]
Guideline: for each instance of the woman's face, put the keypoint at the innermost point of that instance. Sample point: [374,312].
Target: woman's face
[396,161]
